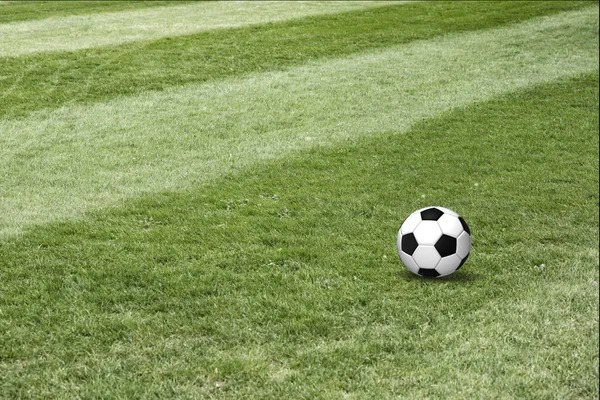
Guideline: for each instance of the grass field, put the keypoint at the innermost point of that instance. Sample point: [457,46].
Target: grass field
[204,203]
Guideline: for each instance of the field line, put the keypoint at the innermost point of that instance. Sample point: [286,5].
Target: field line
[58,164]
[103,29]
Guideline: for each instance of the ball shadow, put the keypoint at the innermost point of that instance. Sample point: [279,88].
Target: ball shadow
[458,276]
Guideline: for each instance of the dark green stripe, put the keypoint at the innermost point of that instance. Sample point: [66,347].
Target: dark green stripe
[52,80]
[30,10]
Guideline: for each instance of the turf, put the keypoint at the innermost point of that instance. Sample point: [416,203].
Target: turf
[283,281]
[35,82]
[14,11]
[60,163]
[70,33]
[234,237]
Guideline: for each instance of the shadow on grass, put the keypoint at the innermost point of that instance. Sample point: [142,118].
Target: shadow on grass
[459,276]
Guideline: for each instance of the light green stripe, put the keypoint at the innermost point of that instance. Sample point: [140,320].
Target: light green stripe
[58,164]
[103,29]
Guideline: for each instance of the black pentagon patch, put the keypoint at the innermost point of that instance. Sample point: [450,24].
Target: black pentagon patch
[409,244]
[462,262]
[464,225]
[431,214]
[429,273]
[446,245]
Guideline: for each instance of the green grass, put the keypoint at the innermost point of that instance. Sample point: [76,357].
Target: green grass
[71,33]
[35,82]
[283,280]
[232,234]
[13,11]
[60,163]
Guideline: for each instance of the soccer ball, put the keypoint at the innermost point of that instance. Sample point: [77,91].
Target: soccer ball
[434,242]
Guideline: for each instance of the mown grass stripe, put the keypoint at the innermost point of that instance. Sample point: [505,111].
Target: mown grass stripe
[52,80]
[222,284]
[61,34]
[57,164]
[13,11]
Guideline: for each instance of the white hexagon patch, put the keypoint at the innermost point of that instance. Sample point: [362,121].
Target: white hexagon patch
[427,232]
[426,257]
